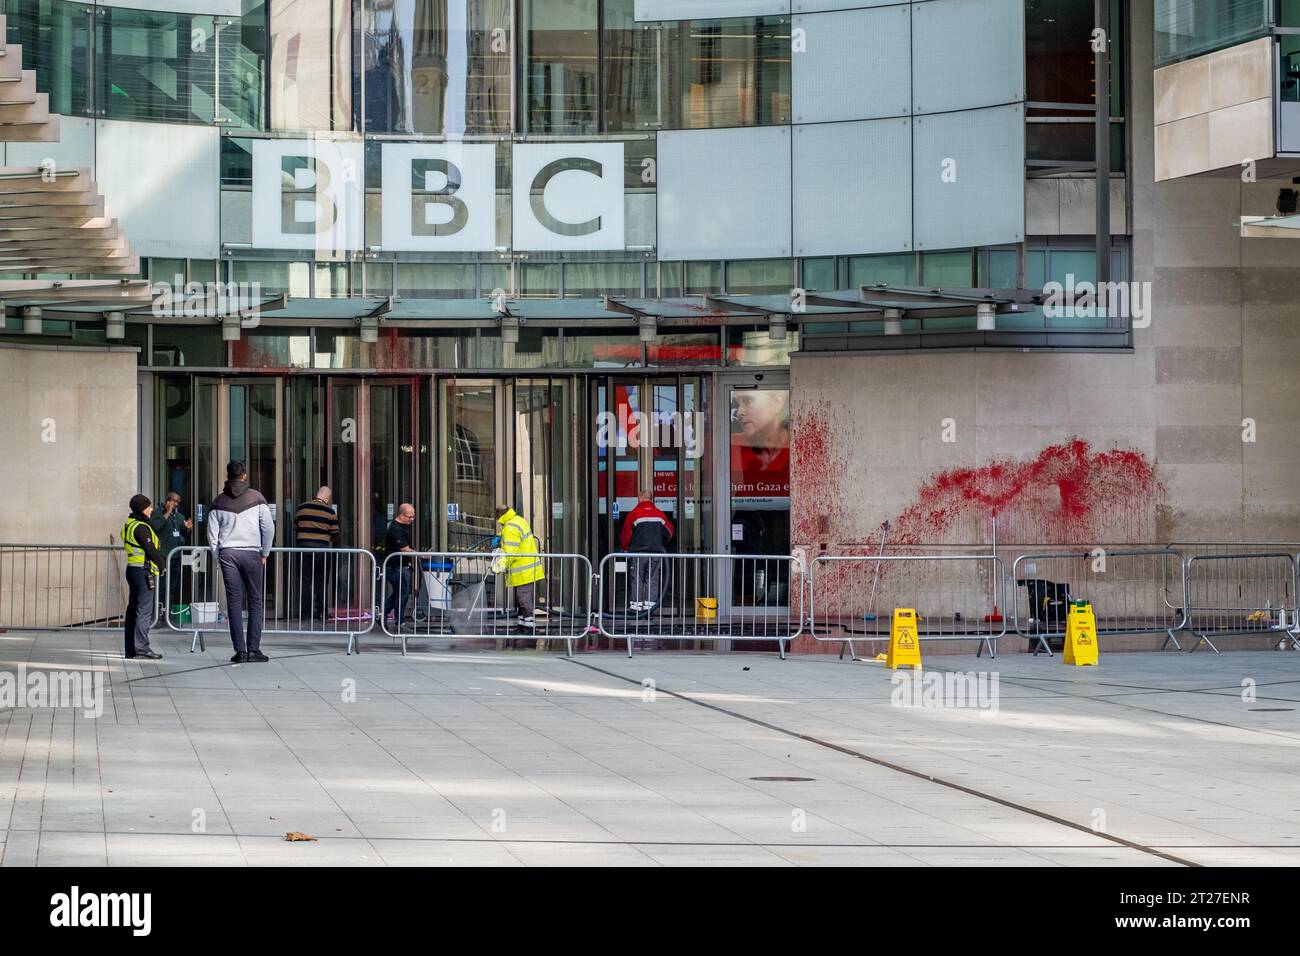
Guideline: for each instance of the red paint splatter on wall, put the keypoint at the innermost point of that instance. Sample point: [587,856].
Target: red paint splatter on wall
[816,468]
[1068,493]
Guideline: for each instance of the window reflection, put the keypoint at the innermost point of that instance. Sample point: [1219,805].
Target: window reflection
[560,58]
[440,67]
[311,64]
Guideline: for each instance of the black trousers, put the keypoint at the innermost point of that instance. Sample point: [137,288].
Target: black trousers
[139,611]
[315,584]
[242,572]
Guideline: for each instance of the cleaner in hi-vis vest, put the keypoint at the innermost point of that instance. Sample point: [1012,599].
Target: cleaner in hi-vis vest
[144,563]
[520,559]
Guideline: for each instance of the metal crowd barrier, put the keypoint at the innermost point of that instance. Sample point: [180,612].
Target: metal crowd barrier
[955,596]
[680,597]
[455,594]
[60,586]
[1131,592]
[1243,594]
[306,591]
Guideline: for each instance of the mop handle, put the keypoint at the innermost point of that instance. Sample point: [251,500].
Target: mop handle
[884,529]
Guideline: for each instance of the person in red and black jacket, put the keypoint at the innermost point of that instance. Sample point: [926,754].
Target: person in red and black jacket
[646,530]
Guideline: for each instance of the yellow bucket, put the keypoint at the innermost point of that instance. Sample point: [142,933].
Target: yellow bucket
[706,608]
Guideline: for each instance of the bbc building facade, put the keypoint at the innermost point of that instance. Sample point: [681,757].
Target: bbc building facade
[479,242]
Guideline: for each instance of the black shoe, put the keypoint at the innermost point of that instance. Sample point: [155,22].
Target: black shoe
[240,658]
[151,655]
[522,630]
[257,657]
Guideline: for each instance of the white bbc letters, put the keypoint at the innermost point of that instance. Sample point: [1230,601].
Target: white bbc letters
[439,197]
[307,195]
[568,196]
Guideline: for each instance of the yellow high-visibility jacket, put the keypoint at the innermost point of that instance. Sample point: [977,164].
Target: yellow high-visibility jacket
[135,556]
[521,555]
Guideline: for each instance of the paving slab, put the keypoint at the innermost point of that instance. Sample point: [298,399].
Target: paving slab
[484,757]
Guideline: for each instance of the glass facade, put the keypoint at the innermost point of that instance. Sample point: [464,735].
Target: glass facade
[1187,28]
[1060,80]
[510,73]
[437,67]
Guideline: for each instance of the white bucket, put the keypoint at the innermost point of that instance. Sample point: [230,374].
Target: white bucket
[205,612]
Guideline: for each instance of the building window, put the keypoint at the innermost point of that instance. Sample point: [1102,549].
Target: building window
[1060,75]
[896,270]
[154,66]
[241,68]
[311,64]
[560,58]
[1188,28]
[440,67]
[734,73]
[593,279]
[760,276]
[56,41]
[428,280]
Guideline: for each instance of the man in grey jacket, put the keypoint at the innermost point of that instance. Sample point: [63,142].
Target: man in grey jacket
[240,532]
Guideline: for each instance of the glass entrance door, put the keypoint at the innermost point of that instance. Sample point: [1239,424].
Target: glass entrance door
[545,483]
[757,478]
[393,444]
[654,432]
[469,478]
[253,422]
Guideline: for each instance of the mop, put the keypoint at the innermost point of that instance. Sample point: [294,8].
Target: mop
[871,602]
[996,616]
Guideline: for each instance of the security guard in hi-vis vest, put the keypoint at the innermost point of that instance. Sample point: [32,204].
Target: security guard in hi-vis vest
[143,564]
[519,557]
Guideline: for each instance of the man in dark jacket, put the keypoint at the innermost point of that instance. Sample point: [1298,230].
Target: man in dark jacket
[143,561]
[172,528]
[646,530]
[240,533]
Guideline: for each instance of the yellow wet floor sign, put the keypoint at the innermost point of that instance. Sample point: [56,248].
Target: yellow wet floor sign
[904,642]
[1080,634]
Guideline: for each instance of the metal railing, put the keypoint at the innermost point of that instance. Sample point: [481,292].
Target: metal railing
[955,596]
[700,597]
[59,586]
[1238,589]
[1243,594]
[454,595]
[305,591]
[1140,591]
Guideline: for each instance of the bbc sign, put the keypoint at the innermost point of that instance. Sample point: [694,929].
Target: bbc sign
[308,194]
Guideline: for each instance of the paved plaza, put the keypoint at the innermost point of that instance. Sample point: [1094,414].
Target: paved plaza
[498,757]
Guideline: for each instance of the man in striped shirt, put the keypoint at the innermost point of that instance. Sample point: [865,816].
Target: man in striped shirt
[316,526]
